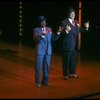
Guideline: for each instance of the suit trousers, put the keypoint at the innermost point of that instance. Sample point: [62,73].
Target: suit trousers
[42,61]
[69,62]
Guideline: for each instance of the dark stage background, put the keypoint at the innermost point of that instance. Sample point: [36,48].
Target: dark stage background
[55,12]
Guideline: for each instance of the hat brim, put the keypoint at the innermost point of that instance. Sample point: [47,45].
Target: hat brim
[43,20]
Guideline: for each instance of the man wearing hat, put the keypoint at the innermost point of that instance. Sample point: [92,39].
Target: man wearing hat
[69,33]
[43,36]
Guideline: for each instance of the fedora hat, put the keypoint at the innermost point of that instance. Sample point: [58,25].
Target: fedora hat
[71,9]
[41,18]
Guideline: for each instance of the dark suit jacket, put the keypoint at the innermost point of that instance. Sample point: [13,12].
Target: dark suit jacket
[70,39]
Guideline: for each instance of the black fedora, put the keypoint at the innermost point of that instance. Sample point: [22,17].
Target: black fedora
[41,18]
[70,10]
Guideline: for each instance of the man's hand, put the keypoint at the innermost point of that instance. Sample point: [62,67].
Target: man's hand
[60,29]
[43,35]
[86,25]
[68,28]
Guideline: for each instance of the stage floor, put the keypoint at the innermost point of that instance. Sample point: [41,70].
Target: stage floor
[17,76]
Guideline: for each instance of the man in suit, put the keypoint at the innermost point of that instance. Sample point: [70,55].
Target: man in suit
[43,36]
[70,31]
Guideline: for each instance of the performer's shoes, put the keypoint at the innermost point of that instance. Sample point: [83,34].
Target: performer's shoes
[45,84]
[38,85]
[73,76]
[65,77]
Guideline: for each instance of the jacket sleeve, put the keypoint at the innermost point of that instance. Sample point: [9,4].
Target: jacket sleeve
[36,35]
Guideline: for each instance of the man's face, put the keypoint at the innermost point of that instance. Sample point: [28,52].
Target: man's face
[72,15]
[43,23]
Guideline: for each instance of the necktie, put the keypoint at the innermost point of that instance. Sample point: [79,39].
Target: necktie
[73,22]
